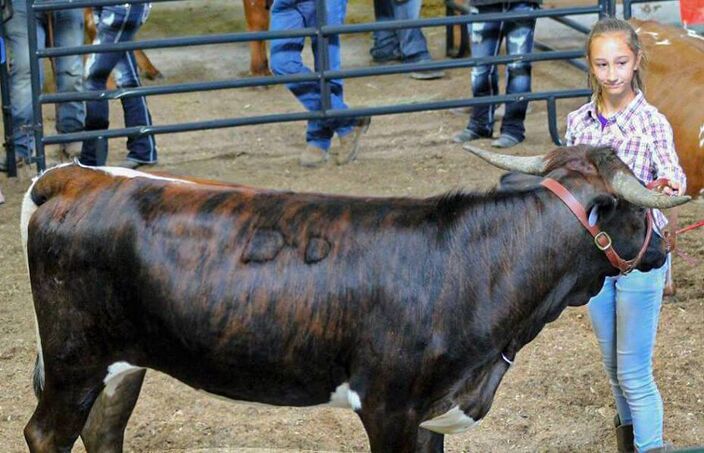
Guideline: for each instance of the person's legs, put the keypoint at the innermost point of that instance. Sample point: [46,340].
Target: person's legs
[113,26]
[136,112]
[519,40]
[412,41]
[485,41]
[135,109]
[639,298]
[20,78]
[386,44]
[602,313]
[286,60]
[68,32]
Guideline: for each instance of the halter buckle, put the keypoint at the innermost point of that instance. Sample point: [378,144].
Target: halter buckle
[597,241]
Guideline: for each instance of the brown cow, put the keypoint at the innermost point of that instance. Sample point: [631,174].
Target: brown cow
[674,83]
[386,306]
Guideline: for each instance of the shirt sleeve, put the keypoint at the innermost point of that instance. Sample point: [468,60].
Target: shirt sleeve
[665,161]
[569,133]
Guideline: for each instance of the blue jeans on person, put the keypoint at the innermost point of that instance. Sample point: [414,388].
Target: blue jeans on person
[625,316]
[117,24]
[485,41]
[68,32]
[286,60]
[409,42]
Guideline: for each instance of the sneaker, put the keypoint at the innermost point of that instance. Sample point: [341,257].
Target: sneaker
[505,141]
[467,135]
[380,57]
[312,157]
[132,164]
[349,144]
[430,74]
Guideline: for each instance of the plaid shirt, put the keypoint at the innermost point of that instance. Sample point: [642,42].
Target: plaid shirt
[641,136]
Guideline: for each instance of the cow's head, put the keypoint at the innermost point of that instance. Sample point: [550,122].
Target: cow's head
[612,196]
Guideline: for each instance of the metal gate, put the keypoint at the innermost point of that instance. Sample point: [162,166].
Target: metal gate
[323,75]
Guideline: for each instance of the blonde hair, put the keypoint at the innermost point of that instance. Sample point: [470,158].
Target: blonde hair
[614,25]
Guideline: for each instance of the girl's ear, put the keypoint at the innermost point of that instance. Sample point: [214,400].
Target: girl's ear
[638,58]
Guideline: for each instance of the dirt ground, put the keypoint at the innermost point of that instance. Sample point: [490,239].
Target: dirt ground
[555,399]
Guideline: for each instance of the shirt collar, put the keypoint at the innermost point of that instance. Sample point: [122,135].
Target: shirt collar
[623,117]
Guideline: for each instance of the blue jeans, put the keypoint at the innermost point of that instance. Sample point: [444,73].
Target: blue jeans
[117,24]
[625,316]
[409,41]
[68,32]
[286,60]
[485,41]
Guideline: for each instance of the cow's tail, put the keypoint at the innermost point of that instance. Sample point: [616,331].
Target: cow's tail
[35,196]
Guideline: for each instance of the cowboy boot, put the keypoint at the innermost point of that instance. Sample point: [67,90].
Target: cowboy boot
[624,437]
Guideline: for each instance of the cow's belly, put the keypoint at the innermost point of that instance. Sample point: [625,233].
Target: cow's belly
[265,389]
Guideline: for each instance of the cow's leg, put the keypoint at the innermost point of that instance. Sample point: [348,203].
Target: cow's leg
[430,442]
[257,16]
[61,412]
[104,430]
[397,431]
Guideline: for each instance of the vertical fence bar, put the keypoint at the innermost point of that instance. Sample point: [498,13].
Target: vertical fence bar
[37,125]
[323,54]
[5,95]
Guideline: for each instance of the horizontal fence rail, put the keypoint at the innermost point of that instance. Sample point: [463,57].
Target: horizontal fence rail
[322,76]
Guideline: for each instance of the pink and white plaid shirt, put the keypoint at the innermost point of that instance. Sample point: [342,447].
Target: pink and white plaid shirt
[641,136]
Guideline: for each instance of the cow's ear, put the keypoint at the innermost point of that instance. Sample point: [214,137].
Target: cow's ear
[582,166]
[600,209]
[515,181]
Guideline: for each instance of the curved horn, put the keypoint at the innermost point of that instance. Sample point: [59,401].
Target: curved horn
[632,190]
[533,165]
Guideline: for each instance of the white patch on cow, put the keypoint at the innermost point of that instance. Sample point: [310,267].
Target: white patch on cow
[701,136]
[129,173]
[664,42]
[453,421]
[345,398]
[116,372]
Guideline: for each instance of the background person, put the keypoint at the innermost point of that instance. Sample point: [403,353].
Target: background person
[118,23]
[485,41]
[66,31]
[286,60]
[625,313]
[408,44]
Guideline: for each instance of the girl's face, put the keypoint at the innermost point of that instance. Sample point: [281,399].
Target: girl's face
[613,63]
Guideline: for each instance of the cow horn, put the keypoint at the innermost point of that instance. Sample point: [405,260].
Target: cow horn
[533,165]
[632,190]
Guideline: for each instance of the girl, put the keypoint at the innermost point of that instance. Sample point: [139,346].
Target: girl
[625,313]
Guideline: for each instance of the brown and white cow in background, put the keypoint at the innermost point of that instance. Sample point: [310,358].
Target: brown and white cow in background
[674,83]
[407,311]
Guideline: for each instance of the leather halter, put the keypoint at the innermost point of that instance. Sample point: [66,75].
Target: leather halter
[601,238]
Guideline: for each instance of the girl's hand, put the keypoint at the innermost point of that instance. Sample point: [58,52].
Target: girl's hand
[671,188]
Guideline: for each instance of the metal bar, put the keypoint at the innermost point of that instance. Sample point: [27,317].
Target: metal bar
[326,30]
[37,120]
[9,143]
[323,62]
[339,74]
[301,116]
[573,24]
[45,6]
[576,63]
[552,121]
